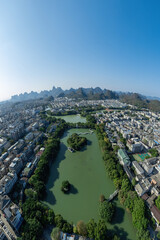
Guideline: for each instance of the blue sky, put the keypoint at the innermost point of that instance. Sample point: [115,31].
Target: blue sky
[79,43]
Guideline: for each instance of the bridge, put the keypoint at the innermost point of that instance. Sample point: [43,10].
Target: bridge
[83,133]
[113,195]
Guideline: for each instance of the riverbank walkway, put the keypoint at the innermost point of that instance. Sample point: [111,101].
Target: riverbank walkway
[113,195]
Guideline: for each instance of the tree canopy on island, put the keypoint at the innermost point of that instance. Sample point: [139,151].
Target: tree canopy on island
[76,142]
[65,186]
[106,210]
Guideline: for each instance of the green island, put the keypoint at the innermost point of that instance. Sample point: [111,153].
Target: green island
[65,186]
[76,142]
[106,210]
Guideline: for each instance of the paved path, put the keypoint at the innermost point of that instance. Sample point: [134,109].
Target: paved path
[113,195]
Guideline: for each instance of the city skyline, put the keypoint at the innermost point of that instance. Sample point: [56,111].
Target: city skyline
[108,44]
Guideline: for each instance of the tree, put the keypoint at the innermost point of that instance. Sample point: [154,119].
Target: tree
[158,202]
[65,186]
[101,230]
[30,193]
[67,228]
[143,234]
[50,217]
[130,198]
[76,142]
[116,148]
[38,215]
[102,198]
[138,214]
[59,221]
[117,183]
[29,208]
[75,230]
[158,235]
[91,225]
[106,210]
[55,234]
[32,230]
[153,152]
[81,228]
[125,185]
[116,237]
[133,181]
[40,188]
[90,121]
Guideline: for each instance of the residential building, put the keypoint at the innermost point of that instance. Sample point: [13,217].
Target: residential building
[16,165]
[138,168]
[134,145]
[142,187]
[7,183]
[155,213]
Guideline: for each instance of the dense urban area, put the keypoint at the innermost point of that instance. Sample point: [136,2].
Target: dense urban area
[30,132]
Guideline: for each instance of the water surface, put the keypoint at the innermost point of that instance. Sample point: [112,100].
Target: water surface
[73,118]
[86,172]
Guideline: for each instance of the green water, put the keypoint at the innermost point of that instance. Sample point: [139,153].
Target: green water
[85,171]
[73,118]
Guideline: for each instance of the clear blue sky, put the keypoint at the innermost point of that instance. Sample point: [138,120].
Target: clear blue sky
[114,44]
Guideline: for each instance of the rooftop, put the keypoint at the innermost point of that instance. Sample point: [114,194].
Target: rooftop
[156,212]
[123,155]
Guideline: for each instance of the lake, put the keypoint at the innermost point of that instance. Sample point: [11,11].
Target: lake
[86,172]
[73,118]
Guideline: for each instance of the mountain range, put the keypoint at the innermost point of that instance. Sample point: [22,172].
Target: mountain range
[97,93]
[85,93]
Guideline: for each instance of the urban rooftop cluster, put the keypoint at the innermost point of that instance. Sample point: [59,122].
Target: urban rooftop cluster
[137,135]
[23,131]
